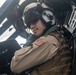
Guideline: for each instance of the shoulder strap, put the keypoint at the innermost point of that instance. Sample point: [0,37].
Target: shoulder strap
[74,58]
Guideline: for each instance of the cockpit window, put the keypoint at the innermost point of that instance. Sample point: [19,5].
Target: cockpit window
[2,2]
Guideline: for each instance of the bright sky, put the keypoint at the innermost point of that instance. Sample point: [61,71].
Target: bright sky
[1,2]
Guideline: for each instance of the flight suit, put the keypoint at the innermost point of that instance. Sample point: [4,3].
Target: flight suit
[50,54]
[59,64]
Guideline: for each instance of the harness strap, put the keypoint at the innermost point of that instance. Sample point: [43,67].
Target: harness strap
[74,58]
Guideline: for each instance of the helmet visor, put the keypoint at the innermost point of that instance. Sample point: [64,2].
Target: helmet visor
[31,17]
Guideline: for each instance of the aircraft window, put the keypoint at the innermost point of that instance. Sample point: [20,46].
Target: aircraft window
[3,22]
[2,2]
[29,31]
[7,33]
[21,41]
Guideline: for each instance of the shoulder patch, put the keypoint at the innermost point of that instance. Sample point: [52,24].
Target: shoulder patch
[39,42]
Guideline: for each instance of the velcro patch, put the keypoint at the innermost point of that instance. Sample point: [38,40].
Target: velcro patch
[39,42]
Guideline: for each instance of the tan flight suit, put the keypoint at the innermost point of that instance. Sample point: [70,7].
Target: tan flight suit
[59,64]
[48,52]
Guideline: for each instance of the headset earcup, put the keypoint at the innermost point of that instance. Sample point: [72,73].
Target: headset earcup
[48,16]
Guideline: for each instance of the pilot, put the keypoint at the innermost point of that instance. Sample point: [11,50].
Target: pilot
[50,53]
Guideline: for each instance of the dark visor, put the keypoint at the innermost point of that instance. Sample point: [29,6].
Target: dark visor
[31,17]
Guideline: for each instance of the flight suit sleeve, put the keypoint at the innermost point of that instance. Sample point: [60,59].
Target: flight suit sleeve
[42,50]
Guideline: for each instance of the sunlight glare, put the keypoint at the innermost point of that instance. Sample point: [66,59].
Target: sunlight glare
[1,2]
